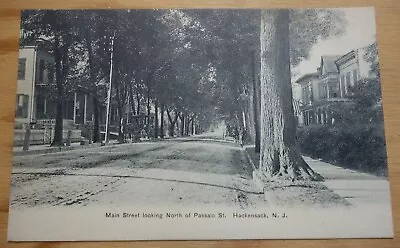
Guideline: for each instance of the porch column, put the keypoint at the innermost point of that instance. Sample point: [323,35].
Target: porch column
[45,105]
[315,117]
[340,86]
[322,117]
[327,90]
[326,117]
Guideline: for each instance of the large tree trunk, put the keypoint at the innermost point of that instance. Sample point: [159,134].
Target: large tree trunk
[172,122]
[120,112]
[188,123]
[131,99]
[171,129]
[256,106]
[248,111]
[162,122]
[138,101]
[148,107]
[279,156]
[156,119]
[96,124]
[58,129]
[183,124]
[193,133]
[96,116]
[137,105]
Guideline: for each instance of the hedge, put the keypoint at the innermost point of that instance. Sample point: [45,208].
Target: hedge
[360,146]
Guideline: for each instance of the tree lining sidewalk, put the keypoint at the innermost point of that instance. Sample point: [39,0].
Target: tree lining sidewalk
[356,188]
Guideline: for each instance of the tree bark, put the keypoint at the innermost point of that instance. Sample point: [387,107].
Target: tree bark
[172,122]
[58,129]
[148,106]
[138,102]
[96,124]
[188,124]
[96,116]
[256,106]
[183,124]
[131,99]
[162,122]
[248,113]
[279,157]
[156,119]
[193,126]
[120,113]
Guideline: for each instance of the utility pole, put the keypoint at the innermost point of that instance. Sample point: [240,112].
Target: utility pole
[109,90]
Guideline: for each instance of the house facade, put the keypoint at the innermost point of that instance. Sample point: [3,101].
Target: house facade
[35,101]
[330,85]
[352,67]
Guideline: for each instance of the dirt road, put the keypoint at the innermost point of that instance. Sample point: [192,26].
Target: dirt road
[186,171]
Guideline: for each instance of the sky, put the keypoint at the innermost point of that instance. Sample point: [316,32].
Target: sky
[361,31]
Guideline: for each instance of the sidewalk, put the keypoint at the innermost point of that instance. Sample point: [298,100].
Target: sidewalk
[38,147]
[356,187]
[43,149]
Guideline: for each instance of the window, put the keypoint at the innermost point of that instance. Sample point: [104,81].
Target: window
[40,107]
[41,70]
[21,68]
[50,73]
[307,94]
[21,108]
[322,91]
[333,89]
[355,76]
[348,81]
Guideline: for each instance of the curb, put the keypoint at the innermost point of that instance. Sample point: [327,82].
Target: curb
[71,148]
[258,182]
[256,179]
[249,159]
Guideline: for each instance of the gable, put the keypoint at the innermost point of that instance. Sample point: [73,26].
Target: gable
[328,64]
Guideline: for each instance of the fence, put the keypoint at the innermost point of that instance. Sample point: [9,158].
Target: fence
[43,136]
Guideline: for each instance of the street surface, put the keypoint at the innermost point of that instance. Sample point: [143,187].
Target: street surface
[184,171]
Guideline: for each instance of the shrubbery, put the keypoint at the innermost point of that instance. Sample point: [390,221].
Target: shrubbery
[357,146]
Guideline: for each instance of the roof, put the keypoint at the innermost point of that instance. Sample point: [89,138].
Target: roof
[329,63]
[345,57]
[305,76]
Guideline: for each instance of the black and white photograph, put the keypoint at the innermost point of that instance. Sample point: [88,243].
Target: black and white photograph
[192,124]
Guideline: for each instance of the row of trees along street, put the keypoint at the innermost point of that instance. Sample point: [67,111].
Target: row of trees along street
[203,65]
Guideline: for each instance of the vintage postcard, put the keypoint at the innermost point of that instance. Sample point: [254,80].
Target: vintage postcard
[177,124]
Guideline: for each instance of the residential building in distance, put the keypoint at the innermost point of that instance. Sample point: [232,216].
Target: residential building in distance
[35,101]
[330,85]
